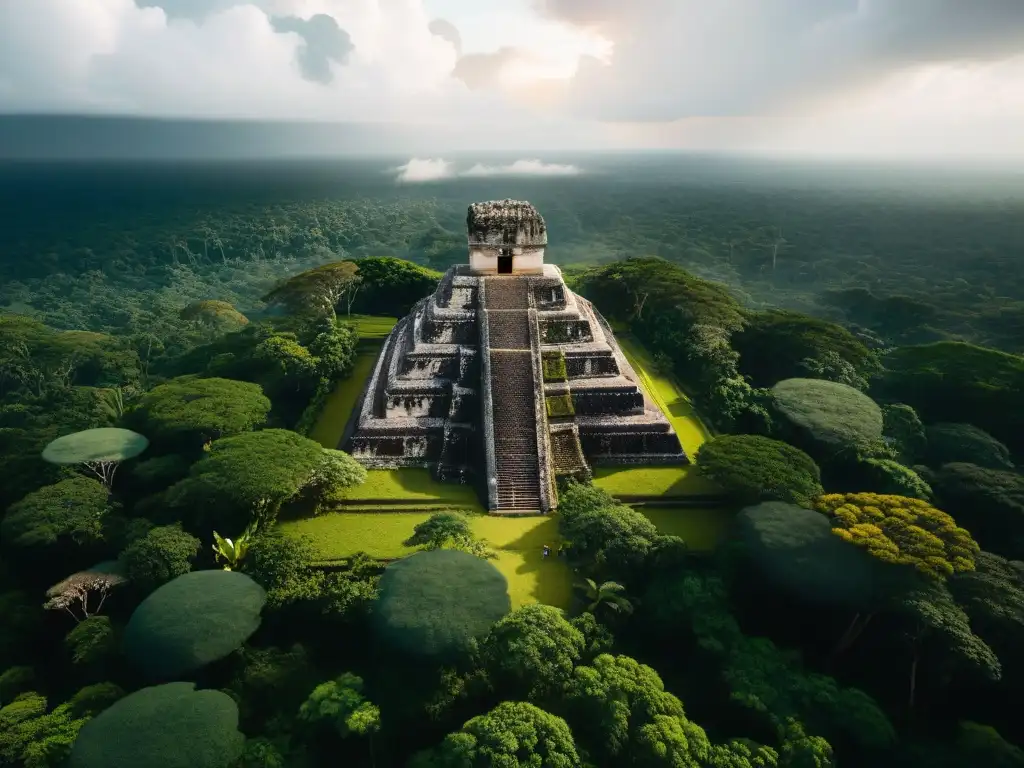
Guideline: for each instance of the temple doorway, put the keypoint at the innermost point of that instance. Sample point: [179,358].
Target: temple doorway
[505,263]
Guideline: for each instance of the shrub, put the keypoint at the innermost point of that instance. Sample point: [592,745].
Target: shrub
[194,620]
[901,530]
[751,468]
[890,477]
[15,681]
[904,432]
[794,548]
[774,344]
[162,554]
[982,386]
[172,725]
[834,416]
[188,411]
[71,510]
[948,443]
[989,502]
[434,603]
[91,640]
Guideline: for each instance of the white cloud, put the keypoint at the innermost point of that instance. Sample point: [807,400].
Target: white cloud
[435,169]
[522,168]
[424,170]
[807,75]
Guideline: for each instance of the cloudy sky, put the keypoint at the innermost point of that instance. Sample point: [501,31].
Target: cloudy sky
[879,77]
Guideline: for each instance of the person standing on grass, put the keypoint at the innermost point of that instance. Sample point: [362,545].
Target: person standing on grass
[547,550]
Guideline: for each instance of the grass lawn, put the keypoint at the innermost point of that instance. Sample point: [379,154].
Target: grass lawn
[519,542]
[653,481]
[677,407]
[410,484]
[370,327]
[338,535]
[330,424]
[701,529]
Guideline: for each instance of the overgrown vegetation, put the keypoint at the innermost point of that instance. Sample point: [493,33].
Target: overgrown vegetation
[880,627]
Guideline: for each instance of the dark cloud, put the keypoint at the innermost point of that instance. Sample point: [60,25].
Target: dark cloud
[447,31]
[324,42]
[680,58]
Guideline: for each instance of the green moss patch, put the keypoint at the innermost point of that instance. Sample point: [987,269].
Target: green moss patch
[554,366]
[559,406]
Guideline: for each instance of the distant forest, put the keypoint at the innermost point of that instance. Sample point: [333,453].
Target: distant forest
[908,255]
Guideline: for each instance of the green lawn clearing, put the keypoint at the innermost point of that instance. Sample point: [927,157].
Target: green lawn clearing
[701,529]
[670,398]
[657,481]
[410,484]
[519,542]
[330,424]
[337,535]
[370,327]
[654,481]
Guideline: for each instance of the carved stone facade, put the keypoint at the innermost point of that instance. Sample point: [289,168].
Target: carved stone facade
[506,237]
[506,381]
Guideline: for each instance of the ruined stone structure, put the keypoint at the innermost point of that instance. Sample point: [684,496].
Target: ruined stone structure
[505,378]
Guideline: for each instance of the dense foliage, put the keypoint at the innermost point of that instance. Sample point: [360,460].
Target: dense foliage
[980,386]
[787,647]
[827,415]
[751,468]
[898,529]
[172,725]
[194,620]
[434,603]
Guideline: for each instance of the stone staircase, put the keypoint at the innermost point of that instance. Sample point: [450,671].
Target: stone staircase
[517,464]
[515,432]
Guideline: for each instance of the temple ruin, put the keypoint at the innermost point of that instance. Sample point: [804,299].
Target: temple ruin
[505,378]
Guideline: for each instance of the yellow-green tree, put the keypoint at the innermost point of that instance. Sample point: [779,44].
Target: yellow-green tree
[901,530]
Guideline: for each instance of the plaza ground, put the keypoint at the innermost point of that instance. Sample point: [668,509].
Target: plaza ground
[379,515]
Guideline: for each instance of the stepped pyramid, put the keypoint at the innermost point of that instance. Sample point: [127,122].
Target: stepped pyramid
[505,378]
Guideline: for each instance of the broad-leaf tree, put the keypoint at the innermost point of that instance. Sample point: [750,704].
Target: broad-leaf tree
[531,652]
[171,725]
[246,478]
[194,620]
[434,603]
[72,510]
[318,290]
[99,450]
[901,530]
[752,468]
[514,733]
[74,593]
[341,705]
[190,411]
